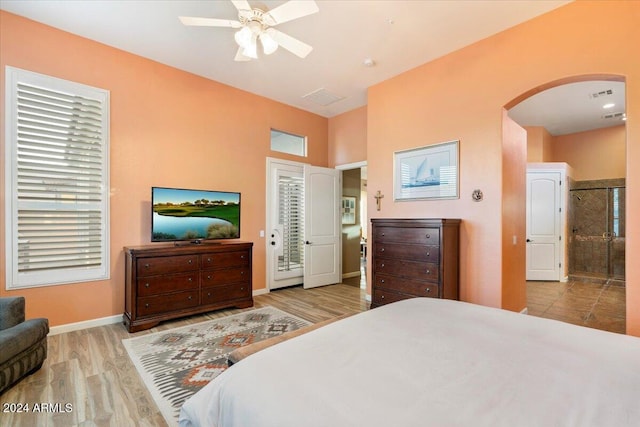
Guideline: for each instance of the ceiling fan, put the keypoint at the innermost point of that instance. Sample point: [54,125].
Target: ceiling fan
[256,24]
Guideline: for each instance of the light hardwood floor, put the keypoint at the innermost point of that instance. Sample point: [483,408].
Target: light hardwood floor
[90,369]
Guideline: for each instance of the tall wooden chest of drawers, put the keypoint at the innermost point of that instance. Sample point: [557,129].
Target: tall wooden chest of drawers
[414,258]
[164,282]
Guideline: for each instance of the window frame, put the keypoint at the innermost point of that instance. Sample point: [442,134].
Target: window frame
[302,140]
[16,279]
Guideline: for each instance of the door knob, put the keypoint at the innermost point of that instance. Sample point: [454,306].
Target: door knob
[529,240]
[307,242]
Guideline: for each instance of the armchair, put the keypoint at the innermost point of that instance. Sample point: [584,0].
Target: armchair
[23,344]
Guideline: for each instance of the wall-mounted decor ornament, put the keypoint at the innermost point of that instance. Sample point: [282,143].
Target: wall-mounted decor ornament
[378,198]
[477,195]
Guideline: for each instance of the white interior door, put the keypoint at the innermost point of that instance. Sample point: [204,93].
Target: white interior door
[322,249]
[543,226]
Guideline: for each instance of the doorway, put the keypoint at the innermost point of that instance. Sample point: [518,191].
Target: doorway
[303,234]
[593,155]
[354,224]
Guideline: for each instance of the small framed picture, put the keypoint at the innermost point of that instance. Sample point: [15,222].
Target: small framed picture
[429,172]
[348,210]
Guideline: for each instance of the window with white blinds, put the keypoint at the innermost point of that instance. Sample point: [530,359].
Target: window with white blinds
[57,151]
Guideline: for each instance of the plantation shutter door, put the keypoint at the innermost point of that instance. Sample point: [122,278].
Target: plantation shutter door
[290,218]
[60,182]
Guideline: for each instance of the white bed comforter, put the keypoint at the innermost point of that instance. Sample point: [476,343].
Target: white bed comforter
[430,362]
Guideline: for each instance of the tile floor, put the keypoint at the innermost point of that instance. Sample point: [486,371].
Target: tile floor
[595,305]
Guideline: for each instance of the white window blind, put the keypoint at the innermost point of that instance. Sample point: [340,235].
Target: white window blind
[57,181]
[291,218]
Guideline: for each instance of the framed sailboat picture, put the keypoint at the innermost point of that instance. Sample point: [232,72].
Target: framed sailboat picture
[429,172]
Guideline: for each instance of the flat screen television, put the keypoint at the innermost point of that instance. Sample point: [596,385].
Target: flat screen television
[180,214]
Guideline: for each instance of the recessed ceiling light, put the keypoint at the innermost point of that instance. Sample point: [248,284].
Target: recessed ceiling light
[368,62]
[609,105]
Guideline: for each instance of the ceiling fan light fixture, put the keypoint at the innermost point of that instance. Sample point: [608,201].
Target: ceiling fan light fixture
[269,45]
[251,49]
[243,37]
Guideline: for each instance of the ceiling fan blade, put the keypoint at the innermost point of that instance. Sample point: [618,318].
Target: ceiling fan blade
[240,57]
[293,45]
[209,22]
[241,4]
[291,10]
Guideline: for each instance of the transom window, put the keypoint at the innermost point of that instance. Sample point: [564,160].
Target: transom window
[288,143]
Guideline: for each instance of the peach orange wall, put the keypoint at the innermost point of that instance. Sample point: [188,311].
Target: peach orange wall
[168,128]
[595,154]
[348,137]
[462,95]
[539,142]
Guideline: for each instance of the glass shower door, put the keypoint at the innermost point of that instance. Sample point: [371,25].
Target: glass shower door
[617,229]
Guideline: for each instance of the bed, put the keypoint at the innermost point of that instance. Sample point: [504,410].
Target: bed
[430,362]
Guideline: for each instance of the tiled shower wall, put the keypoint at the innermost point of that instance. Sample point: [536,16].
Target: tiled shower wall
[597,228]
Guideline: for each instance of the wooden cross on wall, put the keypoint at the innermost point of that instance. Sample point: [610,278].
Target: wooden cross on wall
[378,197]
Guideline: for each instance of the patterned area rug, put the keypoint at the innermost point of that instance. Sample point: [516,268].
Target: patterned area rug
[175,364]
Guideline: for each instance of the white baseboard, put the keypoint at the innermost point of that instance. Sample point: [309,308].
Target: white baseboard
[70,327]
[524,310]
[260,292]
[352,274]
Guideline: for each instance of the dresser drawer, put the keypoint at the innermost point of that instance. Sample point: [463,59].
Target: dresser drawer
[169,264]
[407,252]
[415,269]
[426,236]
[225,259]
[383,296]
[224,276]
[415,287]
[226,292]
[167,302]
[154,285]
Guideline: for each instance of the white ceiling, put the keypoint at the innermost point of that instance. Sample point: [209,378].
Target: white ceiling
[398,35]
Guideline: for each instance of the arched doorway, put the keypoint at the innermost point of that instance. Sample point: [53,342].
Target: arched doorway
[593,196]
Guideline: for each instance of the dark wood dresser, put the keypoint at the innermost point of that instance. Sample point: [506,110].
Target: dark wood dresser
[164,282]
[414,258]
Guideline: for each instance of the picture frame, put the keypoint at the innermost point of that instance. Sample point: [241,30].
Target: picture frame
[427,173]
[348,210]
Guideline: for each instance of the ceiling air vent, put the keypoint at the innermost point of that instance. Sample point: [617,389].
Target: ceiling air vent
[323,97]
[613,116]
[601,93]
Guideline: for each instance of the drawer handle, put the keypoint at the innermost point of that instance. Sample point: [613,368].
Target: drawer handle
[190,261]
[382,250]
[428,271]
[190,279]
[209,277]
[383,234]
[208,259]
[381,280]
[382,297]
[189,297]
[428,253]
[242,273]
[147,266]
[242,288]
[382,265]
[242,256]
[428,290]
[428,236]
[146,305]
[146,285]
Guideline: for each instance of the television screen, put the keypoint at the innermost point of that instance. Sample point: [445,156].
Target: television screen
[182,214]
